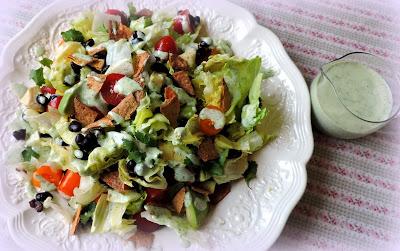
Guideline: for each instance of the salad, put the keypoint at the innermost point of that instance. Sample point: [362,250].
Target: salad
[138,120]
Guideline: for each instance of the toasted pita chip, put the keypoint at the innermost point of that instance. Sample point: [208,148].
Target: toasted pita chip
[143,239]
[112,179]
[139,64]
[207,150]
[178,200]
[83,113]
[97,64]
[75,220]
[200,190]
[139,95]
[183,80]
[178,63]
[170,108]
[95,82]
[126,107]
[81,59]
[122,32]
[103,122]
[225,98]
[94,50]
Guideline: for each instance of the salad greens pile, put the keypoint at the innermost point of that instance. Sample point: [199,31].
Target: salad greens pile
[138,121]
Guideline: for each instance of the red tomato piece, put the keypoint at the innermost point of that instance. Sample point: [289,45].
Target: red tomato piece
[48,173]
[144,224]
[124,18]
[207,125]
[166,44]
[183,17]
[55,102]
[69,182]
[107,90]
[47,89]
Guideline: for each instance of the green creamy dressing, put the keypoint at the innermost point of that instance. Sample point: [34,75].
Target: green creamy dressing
[126,86]
[91,98]
[362,90]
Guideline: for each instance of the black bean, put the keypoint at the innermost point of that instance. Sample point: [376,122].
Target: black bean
[64,144]
[89,42]
[44,135]
[203,44]
[43,196]
[159,67]
[32,203]
[75,126]
[79,139]
[233,154]
[130,165]
[91,137]
[76,68]
[101,54]
[39,206]
[19,134]
[41,99]
[202,54]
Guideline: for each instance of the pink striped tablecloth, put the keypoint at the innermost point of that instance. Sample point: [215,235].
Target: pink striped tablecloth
[353,191]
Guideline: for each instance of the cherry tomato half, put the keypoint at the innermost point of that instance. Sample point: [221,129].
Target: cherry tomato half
[166,44]
[124,18]
[48,173]
[207,124]
[47,89]
[144,224]
[69,182]
[55,102]
[107,90]
[183,17]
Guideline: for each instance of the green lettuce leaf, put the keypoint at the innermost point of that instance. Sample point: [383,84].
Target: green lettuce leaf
[108,215]
[163,216]
[83,24]
[89,189]
[233,169]
[252,114]
[72,35]
[238,74]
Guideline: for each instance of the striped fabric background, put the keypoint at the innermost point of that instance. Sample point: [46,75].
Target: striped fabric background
[353,191]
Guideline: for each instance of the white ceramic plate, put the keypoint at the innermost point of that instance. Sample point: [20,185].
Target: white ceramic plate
[247,219]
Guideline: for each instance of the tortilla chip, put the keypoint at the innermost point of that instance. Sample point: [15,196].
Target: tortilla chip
[84,114]
[94,50]
[95,82]
[178,63]
[112,179]
[97,64]
[122,32]
[75,220]
[103,122]
[80,60]
[139,64]
[126,107]
[183,80]
[178,200]
[170,108]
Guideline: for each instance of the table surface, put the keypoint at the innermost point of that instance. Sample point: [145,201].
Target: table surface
[353,190]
